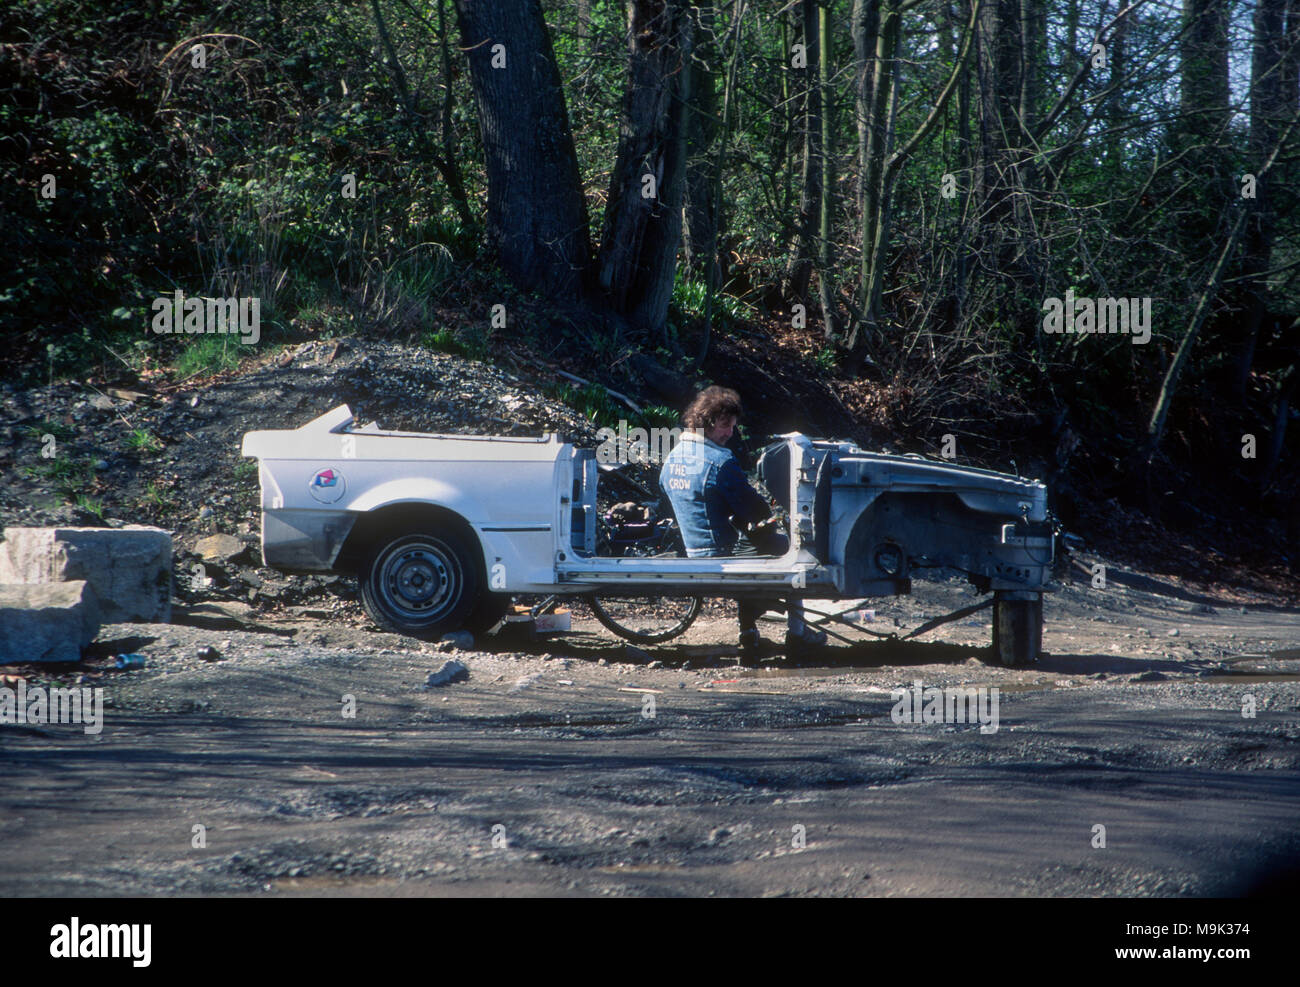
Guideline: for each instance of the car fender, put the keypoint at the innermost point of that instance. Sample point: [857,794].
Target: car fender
[413,490]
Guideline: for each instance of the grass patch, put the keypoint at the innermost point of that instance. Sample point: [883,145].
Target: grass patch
[143,441]
[470,346]
[594,402]
[61,433]
[87,503]
[206,354]
[153,497]
[67,475]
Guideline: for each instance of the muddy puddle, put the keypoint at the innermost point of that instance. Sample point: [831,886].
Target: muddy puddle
[1274,666]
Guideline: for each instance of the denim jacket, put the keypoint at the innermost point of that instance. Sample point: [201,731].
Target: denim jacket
[706,486]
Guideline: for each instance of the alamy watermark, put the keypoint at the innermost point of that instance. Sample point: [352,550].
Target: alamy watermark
[954,704]
[192,316]
[39,705]
[1098,315]
[636,445]
[102,941]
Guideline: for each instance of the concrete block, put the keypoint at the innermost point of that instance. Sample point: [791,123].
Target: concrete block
[47,621]
[129,569]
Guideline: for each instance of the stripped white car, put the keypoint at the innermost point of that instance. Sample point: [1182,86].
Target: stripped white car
[441,530]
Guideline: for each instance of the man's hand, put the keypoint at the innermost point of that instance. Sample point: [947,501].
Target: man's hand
[768,536]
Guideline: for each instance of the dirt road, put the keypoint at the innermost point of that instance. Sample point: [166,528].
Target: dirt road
[574,767]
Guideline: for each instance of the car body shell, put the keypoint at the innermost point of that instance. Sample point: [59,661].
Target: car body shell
[861,523]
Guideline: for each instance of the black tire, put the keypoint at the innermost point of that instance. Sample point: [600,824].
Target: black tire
[423,584]
[623,616]
[487,613]
[1017,630]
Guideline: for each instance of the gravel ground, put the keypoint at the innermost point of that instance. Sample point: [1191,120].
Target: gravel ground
[548,771]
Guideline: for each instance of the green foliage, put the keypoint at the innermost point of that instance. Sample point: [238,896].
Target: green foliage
[61,432]
[68,475]
[659,416]
[224,180]
[230,179]
[690,299]
[153,497]
[594,402]
[472,346]
[826,360]
[143,441]
[201,355]
[91,504]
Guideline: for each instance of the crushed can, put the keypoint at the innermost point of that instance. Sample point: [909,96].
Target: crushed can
[130,661]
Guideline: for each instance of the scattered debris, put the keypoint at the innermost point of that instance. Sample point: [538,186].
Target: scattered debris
[223,547]
[457,641]
[859,616]
[451,671]
[131,397]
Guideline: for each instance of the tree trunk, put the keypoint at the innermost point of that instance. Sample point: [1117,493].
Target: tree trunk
[1204,115]
[584,20]
[871,160]
[719,167]
[1204,91]
[786,156]
[864,25]
[700,216]
[1269,107]
[881,164]
[1116,106]
[643,215]
[996,175]
[1156,427]
[965,173]
[1277,436]
[536,213]
[825,208]
[1032,51]
[804,249]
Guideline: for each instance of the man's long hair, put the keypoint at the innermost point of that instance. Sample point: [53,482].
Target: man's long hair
[712,405]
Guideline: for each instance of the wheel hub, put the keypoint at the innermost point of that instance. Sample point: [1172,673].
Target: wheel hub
[419,579]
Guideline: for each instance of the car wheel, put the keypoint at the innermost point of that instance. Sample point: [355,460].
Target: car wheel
[421,584]
[1017,629]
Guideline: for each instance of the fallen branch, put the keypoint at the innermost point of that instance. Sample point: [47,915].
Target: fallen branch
[612,393]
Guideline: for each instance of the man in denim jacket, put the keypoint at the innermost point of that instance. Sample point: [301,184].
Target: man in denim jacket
[707,489]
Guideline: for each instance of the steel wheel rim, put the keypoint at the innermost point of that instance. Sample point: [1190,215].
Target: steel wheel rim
[607,612]
[420,580]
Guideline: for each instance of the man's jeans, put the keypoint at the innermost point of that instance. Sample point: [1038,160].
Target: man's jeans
[750,609]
